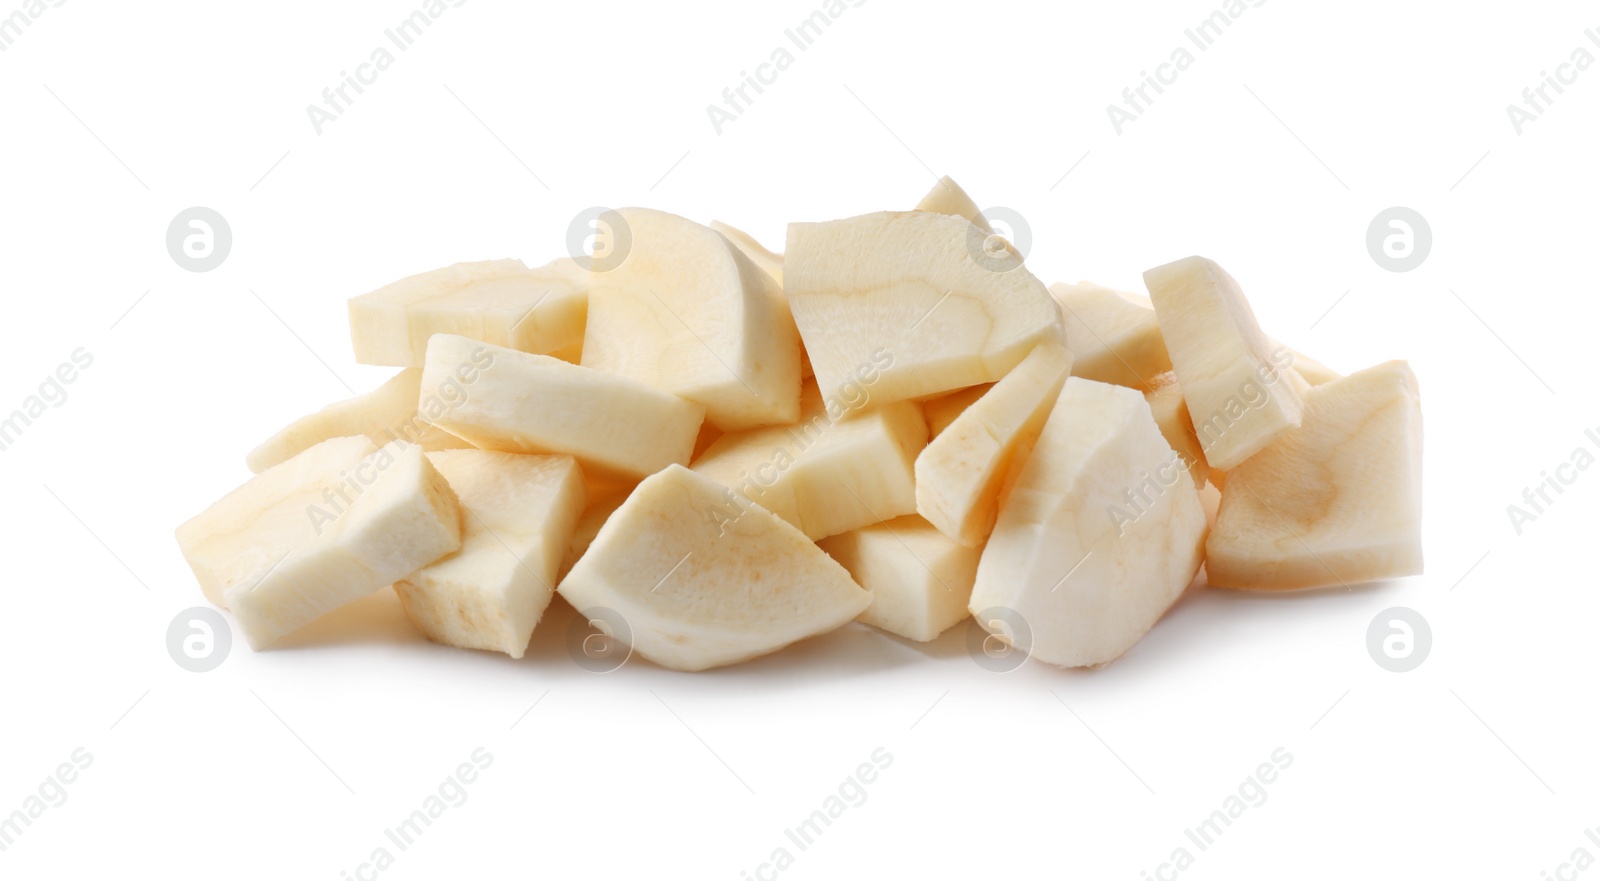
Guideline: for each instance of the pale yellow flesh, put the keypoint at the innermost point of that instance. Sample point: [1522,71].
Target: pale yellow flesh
[943,410]
[404,517]
[1314,372]
[836,470]
[603,498]
[385,414]
[503,302]
[251,528]
[959,473]
[1088,583]
[688,313]
[907,285]
[1232,376]
[1336,502]
[947,197]
[697,592]
[1114,336]
[518,514]
[770,263]
[920,580]
[1171,413]
[515,402]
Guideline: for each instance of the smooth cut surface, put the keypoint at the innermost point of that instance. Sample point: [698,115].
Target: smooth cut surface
[1100,535]
[518,513]
[912,284]
[520,403]
[920,580]
[403,516]
[503,302]
[697,591]
[251,528]
[1337,501]
[1232,376]
[387,413]
[838,469]
[959,473]
[688,313]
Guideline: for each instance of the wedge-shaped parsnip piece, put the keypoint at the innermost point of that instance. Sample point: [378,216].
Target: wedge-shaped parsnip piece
[517,514]
[399,516]
[959,473]
[1314,372]
[844,466]
[603,499]
[947,197]
[686,312]
[1101,533]
[920,581]
[1165,398]
[246,531]
[1113,336]
[387,413]
[1338,501]
[520,403]
[770,263]
[1232,375]
[697,591]
[943,410]
[495,301]
[923,287]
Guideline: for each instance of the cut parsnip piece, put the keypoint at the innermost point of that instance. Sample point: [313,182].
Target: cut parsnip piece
[502,302]
[402,517]
[1165,398]
[387,413]
[603,500]
[923,287]
[1314,372]
[709,434]
[248,530]
[959,473]
[515,402]
[1229,369]
[517,515]
[947,197]
[770,263]
[920,581]
[943,410]
[1338,501]
[688,313]
[1114,336]
[837,470]
[1100,535]
[697,591]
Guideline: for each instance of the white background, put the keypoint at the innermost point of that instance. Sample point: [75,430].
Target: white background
[1271,154]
